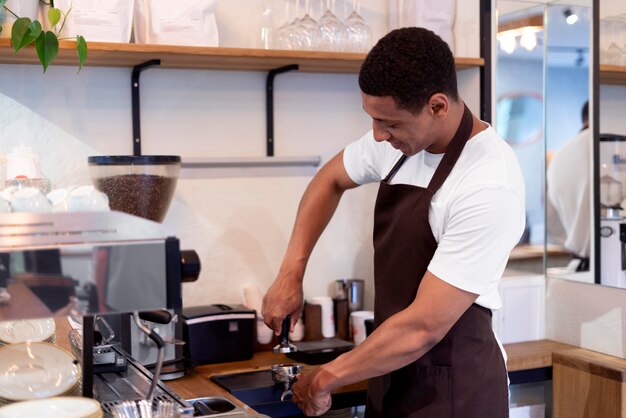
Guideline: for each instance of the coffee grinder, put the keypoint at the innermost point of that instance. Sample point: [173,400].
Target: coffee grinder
[612,222]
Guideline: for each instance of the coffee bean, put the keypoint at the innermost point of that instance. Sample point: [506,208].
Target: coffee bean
[144,195]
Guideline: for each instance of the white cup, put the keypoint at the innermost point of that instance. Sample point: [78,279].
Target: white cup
[5,206]
[328,315]
[30,199]
[357,318]
[298,331]
[264,334]
[87,199]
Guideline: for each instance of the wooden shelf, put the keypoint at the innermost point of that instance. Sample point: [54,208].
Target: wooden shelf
[103,54]
[612,74]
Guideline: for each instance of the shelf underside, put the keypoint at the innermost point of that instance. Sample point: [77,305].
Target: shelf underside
[128,55]
[612,74]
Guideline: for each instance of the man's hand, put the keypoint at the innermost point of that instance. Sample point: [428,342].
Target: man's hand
[284,297]
[308,394]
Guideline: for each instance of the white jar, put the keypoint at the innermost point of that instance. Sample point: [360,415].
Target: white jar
[23,162]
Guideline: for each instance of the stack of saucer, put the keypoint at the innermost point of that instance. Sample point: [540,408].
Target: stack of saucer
[64,407]
[27,330]
[37,370]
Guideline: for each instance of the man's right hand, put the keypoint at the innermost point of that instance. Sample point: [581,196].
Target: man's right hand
[284,297]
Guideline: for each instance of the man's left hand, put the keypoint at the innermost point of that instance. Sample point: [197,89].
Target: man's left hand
[307,395]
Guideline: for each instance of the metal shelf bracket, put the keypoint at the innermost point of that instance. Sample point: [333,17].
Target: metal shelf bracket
[134,87]
[270,104]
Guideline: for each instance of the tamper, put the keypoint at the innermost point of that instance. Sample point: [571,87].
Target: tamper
[285,346]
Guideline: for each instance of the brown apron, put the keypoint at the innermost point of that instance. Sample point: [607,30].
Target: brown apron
[464,375]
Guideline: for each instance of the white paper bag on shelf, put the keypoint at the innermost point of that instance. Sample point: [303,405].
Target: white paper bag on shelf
[97,20]
[189,22]
[437,16]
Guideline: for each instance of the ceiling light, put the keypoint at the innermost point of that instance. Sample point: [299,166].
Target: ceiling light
[507,42]
[570,16]
[528,40]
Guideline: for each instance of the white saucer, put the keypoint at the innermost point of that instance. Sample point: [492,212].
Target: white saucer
[36,370]
[35,330]
[62,407]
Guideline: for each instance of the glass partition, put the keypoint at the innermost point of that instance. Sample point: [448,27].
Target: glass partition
[542,83]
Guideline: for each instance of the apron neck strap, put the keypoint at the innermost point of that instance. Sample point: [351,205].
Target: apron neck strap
[453,152]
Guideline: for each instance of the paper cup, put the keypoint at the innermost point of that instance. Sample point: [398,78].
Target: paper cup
[357,319]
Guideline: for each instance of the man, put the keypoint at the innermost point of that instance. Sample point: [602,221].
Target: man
[449,210]
[569,197]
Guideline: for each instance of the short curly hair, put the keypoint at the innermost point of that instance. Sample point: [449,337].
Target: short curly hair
[410,65]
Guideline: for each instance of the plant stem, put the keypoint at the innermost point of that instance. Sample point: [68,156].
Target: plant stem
[64,18]
[10,11]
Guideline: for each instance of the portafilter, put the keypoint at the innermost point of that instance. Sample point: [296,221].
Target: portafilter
[286,373]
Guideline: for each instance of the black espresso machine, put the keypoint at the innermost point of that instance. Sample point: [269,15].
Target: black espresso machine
[97,268]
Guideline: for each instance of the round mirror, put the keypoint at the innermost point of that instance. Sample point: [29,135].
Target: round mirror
[520,118]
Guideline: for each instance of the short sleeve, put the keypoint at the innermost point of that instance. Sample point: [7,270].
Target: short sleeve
[364,159]
[482,227]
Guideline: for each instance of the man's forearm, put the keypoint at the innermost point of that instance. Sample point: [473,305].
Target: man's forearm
[318,204]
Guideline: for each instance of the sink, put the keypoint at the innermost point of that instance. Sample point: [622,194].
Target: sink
[258,390]
[217,406]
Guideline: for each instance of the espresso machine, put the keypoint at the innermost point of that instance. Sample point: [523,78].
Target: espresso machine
[612,222]
[117,277]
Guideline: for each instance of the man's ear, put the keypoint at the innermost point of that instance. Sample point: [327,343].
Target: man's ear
[438,104]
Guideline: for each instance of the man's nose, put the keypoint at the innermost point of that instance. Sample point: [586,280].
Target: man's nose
[380,133]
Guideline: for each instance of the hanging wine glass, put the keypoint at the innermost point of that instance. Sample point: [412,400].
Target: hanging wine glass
[288,36]
[308,26]
[358,35]
[330,30]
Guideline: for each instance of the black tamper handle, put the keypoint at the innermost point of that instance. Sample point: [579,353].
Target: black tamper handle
[284,331]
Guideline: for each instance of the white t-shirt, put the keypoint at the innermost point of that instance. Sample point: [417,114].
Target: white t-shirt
[569,193]
[477,216]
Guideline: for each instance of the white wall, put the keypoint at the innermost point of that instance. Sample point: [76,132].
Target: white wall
[587,315]
[239,226]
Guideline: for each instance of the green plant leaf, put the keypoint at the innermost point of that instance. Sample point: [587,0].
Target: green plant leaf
[47,46]
[25,33]
[2,2]
[19,33]
[54,16]
[81,47]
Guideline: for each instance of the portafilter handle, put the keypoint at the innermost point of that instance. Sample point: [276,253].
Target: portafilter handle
[158,316]
[152,334]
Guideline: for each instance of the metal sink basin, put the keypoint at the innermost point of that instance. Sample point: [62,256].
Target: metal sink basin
[217,406]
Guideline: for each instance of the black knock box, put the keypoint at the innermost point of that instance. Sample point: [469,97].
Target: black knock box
[219,333]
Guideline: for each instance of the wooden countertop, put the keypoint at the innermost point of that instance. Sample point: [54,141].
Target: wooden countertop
[613,368]
[527,251]
[521,356]
[23,302]
[533,354]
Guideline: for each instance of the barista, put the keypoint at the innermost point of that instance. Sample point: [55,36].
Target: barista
[568,196]
[449,210]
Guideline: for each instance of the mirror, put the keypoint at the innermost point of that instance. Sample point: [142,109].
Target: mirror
[519,92]
[520,117]
[543,67]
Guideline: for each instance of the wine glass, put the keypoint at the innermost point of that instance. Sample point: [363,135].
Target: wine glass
[330,31]
[288,35]
[358,34]
[307,28]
